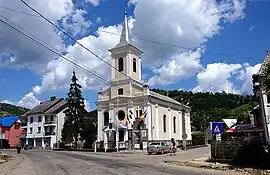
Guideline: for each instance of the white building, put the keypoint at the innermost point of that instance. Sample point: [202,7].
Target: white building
[45,123]
[128,107]
[261,113]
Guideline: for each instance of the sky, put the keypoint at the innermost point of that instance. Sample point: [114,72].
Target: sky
[192,45]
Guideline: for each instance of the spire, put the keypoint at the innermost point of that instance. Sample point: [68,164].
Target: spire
[125,38]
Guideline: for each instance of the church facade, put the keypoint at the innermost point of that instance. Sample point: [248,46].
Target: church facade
[130,115]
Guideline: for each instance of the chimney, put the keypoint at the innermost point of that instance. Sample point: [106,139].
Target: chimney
[52,98]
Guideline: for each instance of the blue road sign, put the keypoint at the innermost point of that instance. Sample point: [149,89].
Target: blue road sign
[217,127]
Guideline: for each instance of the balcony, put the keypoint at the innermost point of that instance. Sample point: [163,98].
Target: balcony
[50,122]
[49,133]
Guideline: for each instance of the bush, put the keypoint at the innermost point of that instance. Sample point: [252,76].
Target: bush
[198,138]
[251,153]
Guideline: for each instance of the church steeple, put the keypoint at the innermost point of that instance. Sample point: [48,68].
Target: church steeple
[126,57]
[125,38]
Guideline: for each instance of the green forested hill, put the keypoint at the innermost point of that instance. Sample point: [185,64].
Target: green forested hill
[207,107]
[8,109]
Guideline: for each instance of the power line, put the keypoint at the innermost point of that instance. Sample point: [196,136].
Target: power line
[145,40]
[60,55]
[24,13]
[177,46]
[76,41]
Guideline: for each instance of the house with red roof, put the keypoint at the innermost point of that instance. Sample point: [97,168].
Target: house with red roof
[10,130]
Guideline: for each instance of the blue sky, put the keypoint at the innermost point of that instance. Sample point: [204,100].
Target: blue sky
[244,37]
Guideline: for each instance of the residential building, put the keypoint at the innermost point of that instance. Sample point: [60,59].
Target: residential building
[10,130]
[261,113]
[129,112]
[45,123]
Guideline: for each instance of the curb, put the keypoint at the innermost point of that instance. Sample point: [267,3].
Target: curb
[219,167]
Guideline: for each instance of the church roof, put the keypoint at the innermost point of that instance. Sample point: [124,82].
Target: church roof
[266,60]
[166,98]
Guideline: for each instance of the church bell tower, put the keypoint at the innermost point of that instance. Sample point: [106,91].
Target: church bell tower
[126,58]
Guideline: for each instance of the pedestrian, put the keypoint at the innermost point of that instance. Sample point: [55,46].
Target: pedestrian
[18,147]
[173,148]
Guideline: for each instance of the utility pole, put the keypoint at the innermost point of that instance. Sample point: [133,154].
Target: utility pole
[184,136]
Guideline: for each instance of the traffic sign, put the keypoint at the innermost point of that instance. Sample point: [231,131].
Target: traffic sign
[217,127]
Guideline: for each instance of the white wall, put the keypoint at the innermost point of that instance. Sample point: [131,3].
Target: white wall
[60,124]
[35,126]
[157,121]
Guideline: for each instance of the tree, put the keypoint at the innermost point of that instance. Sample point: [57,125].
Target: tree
[90,131]
[75,113]
[265,76]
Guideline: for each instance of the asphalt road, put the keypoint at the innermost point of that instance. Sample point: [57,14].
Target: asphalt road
[38,162]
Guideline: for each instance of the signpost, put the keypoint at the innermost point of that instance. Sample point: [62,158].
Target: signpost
[217,129]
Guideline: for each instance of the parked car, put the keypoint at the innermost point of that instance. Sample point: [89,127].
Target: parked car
[158,148]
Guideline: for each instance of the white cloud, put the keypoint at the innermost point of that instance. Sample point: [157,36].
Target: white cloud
[190,27]
[75,23]
[251,28]
[28,101]
[182,24]
[215,78]
[94,2]
[182,65]
[246,76]
[23,53]
[232,10]
[59,71]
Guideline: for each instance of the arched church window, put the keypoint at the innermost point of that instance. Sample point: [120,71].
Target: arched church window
[121,64]
[164,123]
[134,65]
[106,118]
[174,124]
[121,115]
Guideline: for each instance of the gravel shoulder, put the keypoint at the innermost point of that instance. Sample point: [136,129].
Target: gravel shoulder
[12,163]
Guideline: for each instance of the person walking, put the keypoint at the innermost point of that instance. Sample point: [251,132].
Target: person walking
[173,148]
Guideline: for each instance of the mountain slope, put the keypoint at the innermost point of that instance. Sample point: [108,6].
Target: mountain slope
[8,109]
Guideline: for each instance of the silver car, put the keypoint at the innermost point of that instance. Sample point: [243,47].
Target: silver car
[158,148]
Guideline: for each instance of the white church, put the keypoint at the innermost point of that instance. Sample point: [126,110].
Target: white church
[129,114]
